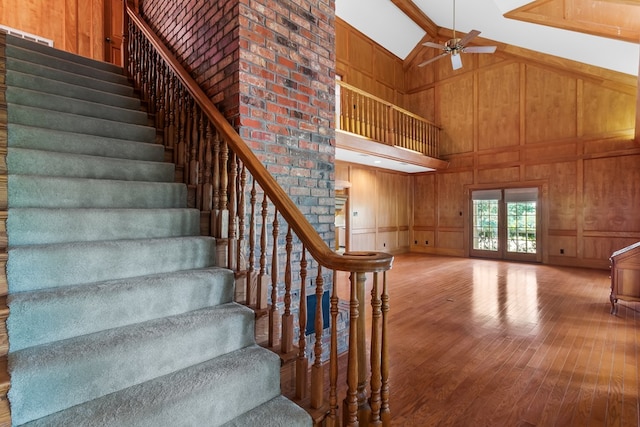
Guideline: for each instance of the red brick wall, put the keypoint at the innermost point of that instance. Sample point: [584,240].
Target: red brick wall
[203,34]
[269,66]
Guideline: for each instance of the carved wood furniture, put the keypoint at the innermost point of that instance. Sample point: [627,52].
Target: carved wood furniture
[625,275]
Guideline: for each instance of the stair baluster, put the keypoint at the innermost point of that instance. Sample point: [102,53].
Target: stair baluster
[302,363]
[286,343]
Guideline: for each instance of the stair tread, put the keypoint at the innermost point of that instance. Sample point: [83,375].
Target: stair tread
[53,265]
[118,358]
[30,45]
[27,67]
[27,161]
[277,412]
[69,122]
[43,84]
[191,396]
[27,191]
[37,138]
[43,316]
[36,226]
[81,107]
[60,62]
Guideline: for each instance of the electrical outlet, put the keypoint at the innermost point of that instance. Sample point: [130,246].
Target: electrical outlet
[561,251]
[426,242]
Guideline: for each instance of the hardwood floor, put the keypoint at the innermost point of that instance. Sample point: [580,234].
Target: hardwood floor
[491,343]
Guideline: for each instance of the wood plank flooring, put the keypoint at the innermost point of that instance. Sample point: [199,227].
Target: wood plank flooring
[492,343]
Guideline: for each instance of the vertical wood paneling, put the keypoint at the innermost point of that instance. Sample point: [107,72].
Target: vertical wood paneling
[562,178]
[362,195]
[606,110]
[451,198]
[612,194]
[548,97]
[499,107]
[454,112]
[73,25]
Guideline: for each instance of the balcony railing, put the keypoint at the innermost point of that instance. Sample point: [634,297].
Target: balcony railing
[366,115]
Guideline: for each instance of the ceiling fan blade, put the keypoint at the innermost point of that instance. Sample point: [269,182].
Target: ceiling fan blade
[479,49]
[470,36]
[434,59]
[436,45]
[456,61]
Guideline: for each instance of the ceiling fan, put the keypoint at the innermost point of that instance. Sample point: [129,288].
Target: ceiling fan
[456,46]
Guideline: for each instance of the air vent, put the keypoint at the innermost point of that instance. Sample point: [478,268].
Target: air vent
[26,36]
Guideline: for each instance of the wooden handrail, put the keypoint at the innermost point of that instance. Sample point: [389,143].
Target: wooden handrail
[354,261]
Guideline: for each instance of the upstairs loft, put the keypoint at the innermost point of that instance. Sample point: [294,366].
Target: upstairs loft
[375,132]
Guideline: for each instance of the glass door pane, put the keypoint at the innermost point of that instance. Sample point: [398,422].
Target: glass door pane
[485,225]
[521,227]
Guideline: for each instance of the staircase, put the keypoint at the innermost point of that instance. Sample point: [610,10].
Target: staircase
[118,314]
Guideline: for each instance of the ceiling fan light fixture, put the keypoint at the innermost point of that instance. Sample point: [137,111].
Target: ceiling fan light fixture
[456,60]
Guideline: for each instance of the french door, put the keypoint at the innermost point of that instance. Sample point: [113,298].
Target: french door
[505,223]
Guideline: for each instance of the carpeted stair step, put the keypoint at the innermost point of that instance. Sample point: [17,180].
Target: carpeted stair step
[277,412]
[32,191]
[38,138]
[68,77]
[48,266]
[63,104]
[21,161]
[119,358]
[52,60]
[17,79]
[205,395]
[35,226]
[45,316]
[62,54]
[32,116]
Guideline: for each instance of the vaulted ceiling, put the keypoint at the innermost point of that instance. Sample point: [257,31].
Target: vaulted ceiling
[604,33]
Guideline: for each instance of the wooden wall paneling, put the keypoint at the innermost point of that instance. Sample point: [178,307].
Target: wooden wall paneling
[562,203]
[607,110]
[86,27]
[562,246]
[360,52]
[612,194]
[384,65]
[454,112]
[363,240]
[387,241]
[387,186]
[551,105]
[71,26]
[550,152]
[450,242]
[424,201]
[498,175]
[451,199]
[494,157]
[422,103]
[363,198]
[342,41]
[74,25]
[598,249]
[499,106]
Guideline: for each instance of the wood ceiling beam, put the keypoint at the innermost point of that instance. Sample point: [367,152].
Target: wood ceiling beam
[417,15]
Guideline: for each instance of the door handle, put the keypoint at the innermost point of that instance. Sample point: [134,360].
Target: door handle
[108,39]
